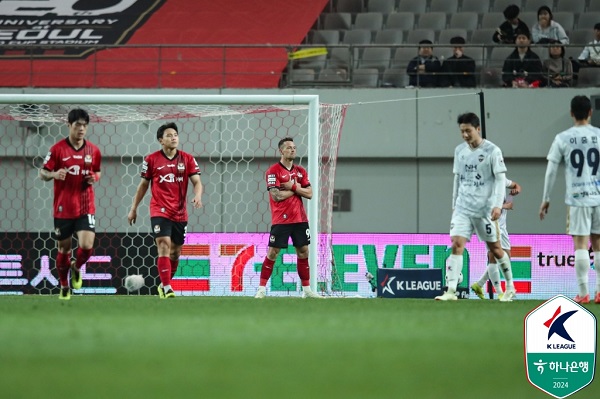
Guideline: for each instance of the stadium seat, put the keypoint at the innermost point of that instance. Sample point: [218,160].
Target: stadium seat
[529,17]
[416,35]
[394,77]
[357,36]
[588,20]
[382,6]
[491,77]
[448,34]
[533,5]
[333,75]
[326,36]
[415,6]
[498,55]
[574,6]
[589,77]
[402,57]
[401,20]
[432,20]
[565,18]
[482,36]
[478,6]
[389,36]
[369,20]
[365,77]
[492,20]
[337,20]
[375,57]
[351,6]
[464,20]
[594,6]
[341,58]
[302,75]
[500,5]
[446,6]
[573,51]
[581,36]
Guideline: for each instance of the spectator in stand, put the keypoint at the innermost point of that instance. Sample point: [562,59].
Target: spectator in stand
[458,70]
[423,70]
[558,71]
[506,32]
[547,29]
[590,56]
[522,67]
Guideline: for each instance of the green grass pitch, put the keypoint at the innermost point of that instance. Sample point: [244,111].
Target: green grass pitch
[238,347]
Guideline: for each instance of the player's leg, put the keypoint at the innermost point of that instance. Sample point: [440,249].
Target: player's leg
[178,234]
[301,240]
[63,231]
[478,285]
[488,230]
[579,224]
[85,227]
[280,234]
[162,229]
[595,238]
[461,230]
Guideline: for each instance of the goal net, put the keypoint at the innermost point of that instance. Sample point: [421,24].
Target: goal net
[234,139]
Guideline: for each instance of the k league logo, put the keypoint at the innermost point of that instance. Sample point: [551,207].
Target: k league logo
[560,347]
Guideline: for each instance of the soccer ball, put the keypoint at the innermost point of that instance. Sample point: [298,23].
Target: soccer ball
[134,282]
[460,278]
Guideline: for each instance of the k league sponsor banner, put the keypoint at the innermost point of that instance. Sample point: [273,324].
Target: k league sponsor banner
[229,264]
[71,27]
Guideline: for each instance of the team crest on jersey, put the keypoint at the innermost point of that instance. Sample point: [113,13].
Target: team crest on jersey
[481,158]
[87,159]
[156,229]
[299,175]
[180,167]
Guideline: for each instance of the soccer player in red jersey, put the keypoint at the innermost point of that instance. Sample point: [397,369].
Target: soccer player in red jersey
[74,165]
[168,170]
[287,185]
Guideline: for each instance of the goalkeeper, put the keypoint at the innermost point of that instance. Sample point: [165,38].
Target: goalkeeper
[169,170]
[287,185]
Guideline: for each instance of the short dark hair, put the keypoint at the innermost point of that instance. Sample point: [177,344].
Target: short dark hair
[458,40]
[581,107]
[76,114]
[597,26]
[425,41]
[524,32]
[512,11]
[468,118]
[556,43]
[161,130]
[283,140]
[545,8]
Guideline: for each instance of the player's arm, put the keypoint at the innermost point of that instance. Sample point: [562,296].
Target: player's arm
[280,195]
[455,189]
[137,198]
[198,190]
[498,195]
[295,188]
[47,175]
[515,188]
[551,171]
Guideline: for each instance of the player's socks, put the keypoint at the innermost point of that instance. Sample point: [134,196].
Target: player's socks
[597,268]
[82,256]
[167,288]
[494,272]
[266,270]
[164,270]
[63,263]
[453,271]
[484,278]
[582,266]
[303,271]
[506,267]
[174,266]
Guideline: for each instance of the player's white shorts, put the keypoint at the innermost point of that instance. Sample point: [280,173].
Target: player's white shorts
[504,239]
[583,220]
[464,226]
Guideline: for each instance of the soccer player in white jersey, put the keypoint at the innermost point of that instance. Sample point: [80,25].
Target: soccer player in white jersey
[479,185]
[492,272]
[579,148]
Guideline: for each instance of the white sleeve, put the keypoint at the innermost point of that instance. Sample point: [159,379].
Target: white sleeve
[499,190]
[508,182]
[455,190]
[550,179]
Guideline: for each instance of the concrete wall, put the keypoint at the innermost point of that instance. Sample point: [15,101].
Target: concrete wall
[395,155]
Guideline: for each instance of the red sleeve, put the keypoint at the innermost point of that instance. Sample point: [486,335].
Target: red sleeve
[272,179]
[147,168]
[192,166]
[97,159]
[50,160]
[304,182]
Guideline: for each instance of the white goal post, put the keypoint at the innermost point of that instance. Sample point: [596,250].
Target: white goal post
[124,126]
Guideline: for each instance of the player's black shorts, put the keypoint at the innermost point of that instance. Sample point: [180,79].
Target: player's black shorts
[163,227]
[64,228]
[281,233]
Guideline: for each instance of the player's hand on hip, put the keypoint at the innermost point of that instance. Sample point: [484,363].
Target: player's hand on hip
[197,203]
[132,216]
[544,209]
[496,212]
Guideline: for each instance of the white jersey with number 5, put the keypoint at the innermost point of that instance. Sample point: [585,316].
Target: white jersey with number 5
[477,169]
[579,147]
